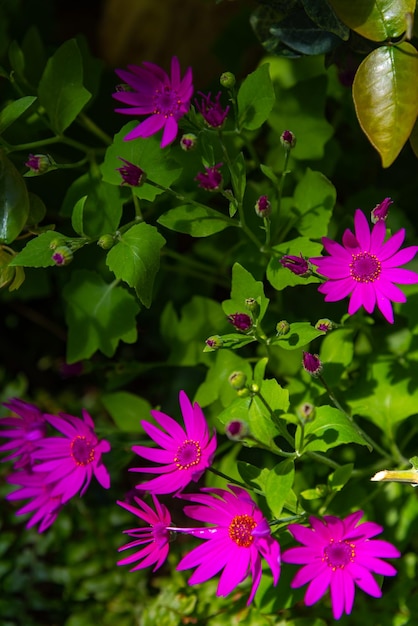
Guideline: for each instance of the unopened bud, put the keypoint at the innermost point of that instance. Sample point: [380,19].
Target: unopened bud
[324,325]
[215,342]
[227,80]
[297,265]
[288,139]
[106,241]
[62,255]
[254,388]
[263,207]
[237,380]
[241,321]
[311,363]
[39,164]
[282,327]
[252,305]
[236,430]
[188,142]
[306,412]
[380,211]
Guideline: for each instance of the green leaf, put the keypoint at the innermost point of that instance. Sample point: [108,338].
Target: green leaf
[281,277]
[99,315]
[383,395]
[37,210]
[299,335]
[340,477]
[233,341]
[322,14]
[278,485]
[14,201]
[38,251]
[303,35]
[136,259]
[144,153]
[197,221]
[375,19]
[127,410]
[98,212]
[336,353]
[216,385]
[244,286]
[238,177]
[77,216]
[314,200]
[385,92]
[329,429]
[255,98]
[61,89]
[14,110]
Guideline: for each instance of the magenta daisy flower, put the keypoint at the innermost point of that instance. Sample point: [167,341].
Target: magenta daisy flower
[165,99]
[184,454]
[24,431]
[338,554]
[366,267]
[34,487]
[155,537]
[70,462]
[239,537]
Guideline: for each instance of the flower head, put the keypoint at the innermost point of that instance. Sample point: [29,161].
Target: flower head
[288,139]
[241,321]
[211,110]
[366,267]
[339,554]
[24,431]
[263,206]
[165,99]
[296,264]
[62,255]
[236,541]
[184,454]
[39,164]
[380,211]
[131,174]
[71,461]
[35,487]
[211,178]
[311,363]
[155,537]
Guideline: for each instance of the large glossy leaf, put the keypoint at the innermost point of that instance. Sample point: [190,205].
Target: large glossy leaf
[385,92]
[14,201]
[374,19]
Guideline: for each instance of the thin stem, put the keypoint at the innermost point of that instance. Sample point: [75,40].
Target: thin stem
[138,212]
[197,266]
[315,456]
[92,127]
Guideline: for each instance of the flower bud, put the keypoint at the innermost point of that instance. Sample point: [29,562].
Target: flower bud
[288,139]
[227,80]
[311,363]
[324,325]
[296,264]
[263,206]
[236,430]
[252,305]
[243,393]
[214,342]
[380,211]
[106,241]
[241,321]
[62,255]
[282,327]
[237,380]
[188,142]
[254,388]
[39,164]
[211,179]
[54,243]
[131,174]
[306,412]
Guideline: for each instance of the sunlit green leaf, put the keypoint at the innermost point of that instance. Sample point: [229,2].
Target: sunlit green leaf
[329,429]
[375,19]
[126,409]
[385,92]
[279,484]
[255,98]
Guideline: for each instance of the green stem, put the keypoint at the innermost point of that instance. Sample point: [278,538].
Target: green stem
[322,459]
[195,265]
[138,212]
[92,127]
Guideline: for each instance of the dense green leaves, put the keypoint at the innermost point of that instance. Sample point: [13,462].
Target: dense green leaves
[385,92]
[61,89]
[14,201]
[136,259]
[99,315]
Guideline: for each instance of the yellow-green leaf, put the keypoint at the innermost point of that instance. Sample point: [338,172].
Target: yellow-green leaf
[385,92]
[375,19]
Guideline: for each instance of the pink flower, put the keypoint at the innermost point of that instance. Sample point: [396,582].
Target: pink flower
[380,211]
[338,554]
[211,110]
[35,487]
[211,178]
[24,431]
[366,267]
[236,541]
[165,99]
[155,537]
[184,454]
[71,461]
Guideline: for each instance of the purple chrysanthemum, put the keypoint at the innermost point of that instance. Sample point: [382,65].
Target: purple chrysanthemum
[24,432]
[338,554]
[211,178]
[155,537]
[184,454]
[44,506]
[165,99]
[212,111]
[239,537]
[71,461]
[366,267]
